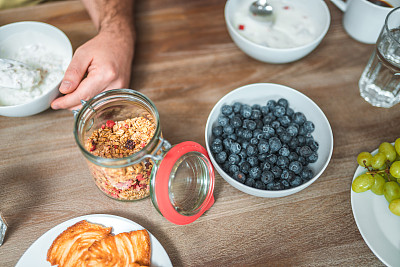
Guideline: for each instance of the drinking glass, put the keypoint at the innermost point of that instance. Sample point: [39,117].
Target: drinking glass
[380,81]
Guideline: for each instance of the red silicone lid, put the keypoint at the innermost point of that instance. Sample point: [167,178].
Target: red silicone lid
[162,183]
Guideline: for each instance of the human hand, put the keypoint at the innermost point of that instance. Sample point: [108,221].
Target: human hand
[105,60]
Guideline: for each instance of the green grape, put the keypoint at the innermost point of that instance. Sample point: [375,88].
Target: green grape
[389,151]
[377,188]
[364,159]
[363,183]
[394,206]
[397,146]
[395,169]
[391,191]
[378,161]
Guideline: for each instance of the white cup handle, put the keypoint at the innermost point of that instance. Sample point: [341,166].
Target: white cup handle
[340,4]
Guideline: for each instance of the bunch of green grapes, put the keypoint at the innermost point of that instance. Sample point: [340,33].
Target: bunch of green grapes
[383,174]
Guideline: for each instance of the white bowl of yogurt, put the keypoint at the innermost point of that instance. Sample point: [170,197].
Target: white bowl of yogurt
[41,46]
[298,28]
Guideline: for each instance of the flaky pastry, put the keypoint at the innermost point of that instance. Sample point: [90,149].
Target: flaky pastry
[69,246]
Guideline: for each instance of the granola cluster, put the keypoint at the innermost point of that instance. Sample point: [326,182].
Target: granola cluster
[117,140]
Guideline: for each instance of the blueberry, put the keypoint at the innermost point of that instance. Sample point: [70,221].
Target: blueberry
[302,140]
[285,137]
[233,168]
[247,134]
[258,133]
[272,158]
[253,161]
[271,104]
[256,114]
[293,156]
[285,184]
[233,159]
[289,112]
[227,142]
[245,144]
[274,144]
[284,151]
[226,110]
[283,102]
[284,120]
[217,130]
[263,147]
[299,118]
[295,166]
[259,124]
[217,141]
[306,174]
[236,107]
[243,155]
[287,175]
[305,151]
[235,148]
[262,157]
[275,124]
[302,160]
[250,182]
[251,150]
[313,157]
[280,130]
[216,148]
[309,126]
[245,111]
[232,136]
[279,111]
[277,186]
[244,167]
[259,185]
[249,124]
[276,171]
[267,177]
[239,132]
[268,131]
[293,143]
[240,177]
[292,130]
[221,157]
[254,141]
[236,122]
[302,130]
[313,145]
[268,119]
[266,166]
[255,172]
[223,120]
[296,181]
[264,110]
[228,129]
[282,162]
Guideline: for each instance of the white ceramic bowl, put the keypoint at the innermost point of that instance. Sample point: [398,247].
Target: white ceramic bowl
[13,37]
[260,93]
[317,8]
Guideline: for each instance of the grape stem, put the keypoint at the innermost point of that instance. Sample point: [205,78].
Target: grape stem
[385,172]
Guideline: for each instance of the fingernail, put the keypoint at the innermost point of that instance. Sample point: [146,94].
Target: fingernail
[65,85]
[54,106]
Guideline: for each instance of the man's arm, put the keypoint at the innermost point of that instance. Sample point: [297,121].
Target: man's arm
[105,59]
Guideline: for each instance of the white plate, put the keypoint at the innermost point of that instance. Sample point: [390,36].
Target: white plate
[37,252]
[378,226]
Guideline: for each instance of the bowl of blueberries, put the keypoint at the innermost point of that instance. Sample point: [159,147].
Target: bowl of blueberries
[268,140]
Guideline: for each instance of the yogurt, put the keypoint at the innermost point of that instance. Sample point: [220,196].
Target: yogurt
[293,26]
[23,85]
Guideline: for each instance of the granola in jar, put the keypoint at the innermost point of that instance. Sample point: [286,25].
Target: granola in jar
[121,139]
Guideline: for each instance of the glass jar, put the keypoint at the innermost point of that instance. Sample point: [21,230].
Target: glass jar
[119,133]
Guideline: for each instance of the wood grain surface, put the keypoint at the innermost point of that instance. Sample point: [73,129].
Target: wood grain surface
[185,62]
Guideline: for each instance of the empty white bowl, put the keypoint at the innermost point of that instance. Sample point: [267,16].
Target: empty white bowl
[20,35]
[317,9]
[260,93]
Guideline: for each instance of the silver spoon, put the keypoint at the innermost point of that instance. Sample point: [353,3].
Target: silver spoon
[17,75]
[262,10]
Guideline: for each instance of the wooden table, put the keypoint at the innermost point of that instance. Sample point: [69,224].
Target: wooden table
[185,62]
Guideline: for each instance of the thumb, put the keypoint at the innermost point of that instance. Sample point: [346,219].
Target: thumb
[75,72]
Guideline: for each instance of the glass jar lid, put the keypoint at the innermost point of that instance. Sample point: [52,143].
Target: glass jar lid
[182,183]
